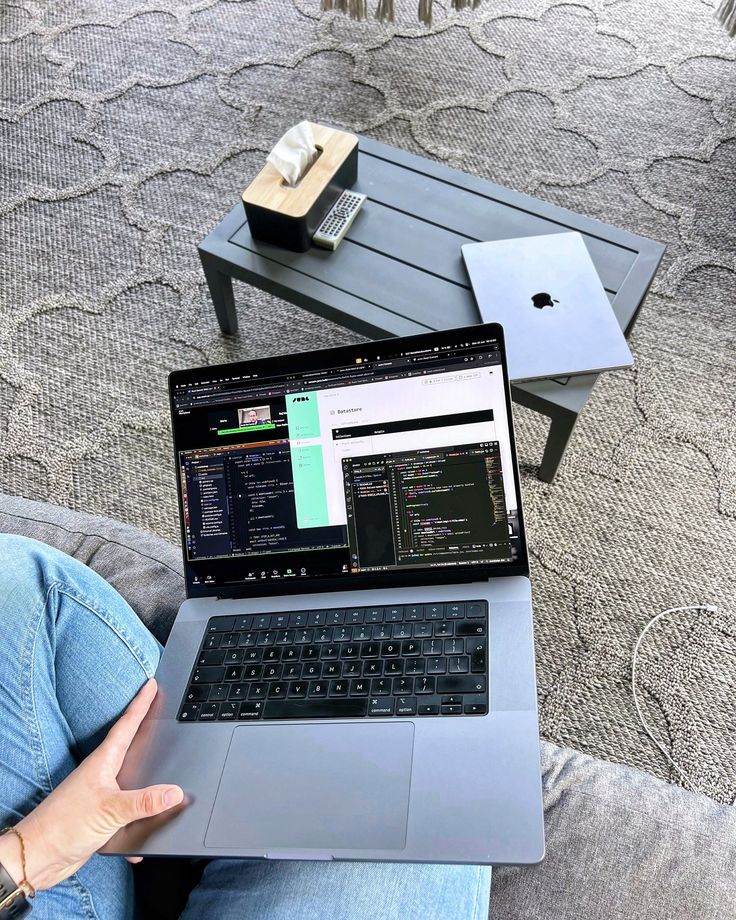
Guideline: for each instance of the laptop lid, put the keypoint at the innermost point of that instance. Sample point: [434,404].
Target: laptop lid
[385,463]
[546,289]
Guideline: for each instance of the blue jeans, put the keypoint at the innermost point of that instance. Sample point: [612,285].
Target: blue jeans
[74,655]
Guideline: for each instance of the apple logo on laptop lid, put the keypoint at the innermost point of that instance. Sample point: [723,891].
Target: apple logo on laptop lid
[543,300]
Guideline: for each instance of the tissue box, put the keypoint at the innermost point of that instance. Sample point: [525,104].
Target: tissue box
[288,215]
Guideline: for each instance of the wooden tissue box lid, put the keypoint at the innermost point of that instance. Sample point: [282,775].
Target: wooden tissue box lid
[269,190]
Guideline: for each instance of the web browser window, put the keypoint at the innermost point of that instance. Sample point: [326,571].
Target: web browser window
[433,409]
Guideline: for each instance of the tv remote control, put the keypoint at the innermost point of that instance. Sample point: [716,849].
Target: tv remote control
[333,228]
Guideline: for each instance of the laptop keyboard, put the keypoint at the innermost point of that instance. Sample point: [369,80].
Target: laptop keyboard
[408,660]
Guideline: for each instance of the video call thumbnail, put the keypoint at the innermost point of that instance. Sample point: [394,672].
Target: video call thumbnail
[254,415]
[242,419]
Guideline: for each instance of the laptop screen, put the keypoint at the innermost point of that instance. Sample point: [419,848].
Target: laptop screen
[394,456]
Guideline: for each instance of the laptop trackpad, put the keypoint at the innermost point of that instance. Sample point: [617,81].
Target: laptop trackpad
[314,786]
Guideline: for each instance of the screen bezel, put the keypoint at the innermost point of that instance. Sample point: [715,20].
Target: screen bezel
[300,362]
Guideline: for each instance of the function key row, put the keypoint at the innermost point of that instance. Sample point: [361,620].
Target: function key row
[353,616]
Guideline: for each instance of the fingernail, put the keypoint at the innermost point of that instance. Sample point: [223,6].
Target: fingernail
[173,796]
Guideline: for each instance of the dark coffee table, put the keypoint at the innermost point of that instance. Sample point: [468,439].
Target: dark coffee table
[400,270]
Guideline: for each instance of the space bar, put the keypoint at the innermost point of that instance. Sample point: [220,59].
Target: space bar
[314,709]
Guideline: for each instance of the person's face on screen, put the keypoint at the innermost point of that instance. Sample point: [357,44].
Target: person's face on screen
[252,416]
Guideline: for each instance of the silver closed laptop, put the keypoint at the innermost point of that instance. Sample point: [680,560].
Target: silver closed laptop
[352,673]
[546,293]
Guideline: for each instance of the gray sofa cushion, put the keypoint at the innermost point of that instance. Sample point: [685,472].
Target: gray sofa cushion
[621,845]
[144,569]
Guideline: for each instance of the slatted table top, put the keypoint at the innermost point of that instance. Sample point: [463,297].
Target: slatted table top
[400,269]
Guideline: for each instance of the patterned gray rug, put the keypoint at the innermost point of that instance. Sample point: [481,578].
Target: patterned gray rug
[127,129]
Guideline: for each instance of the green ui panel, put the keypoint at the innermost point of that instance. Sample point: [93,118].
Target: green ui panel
[310,495]
[302,415]
[307,464]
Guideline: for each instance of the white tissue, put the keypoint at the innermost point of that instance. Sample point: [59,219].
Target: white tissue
[294,153]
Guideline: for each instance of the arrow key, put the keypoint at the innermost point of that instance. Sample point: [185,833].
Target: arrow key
[429,706]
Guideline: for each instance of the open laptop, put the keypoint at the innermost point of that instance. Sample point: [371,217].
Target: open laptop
[352,673]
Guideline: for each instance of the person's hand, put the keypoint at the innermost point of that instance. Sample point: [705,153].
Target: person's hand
[88,808]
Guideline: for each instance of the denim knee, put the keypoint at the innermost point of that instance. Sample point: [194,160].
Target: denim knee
[32,571]
[29,568]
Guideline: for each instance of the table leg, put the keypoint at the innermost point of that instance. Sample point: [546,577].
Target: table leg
[221,291]
[560,429]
